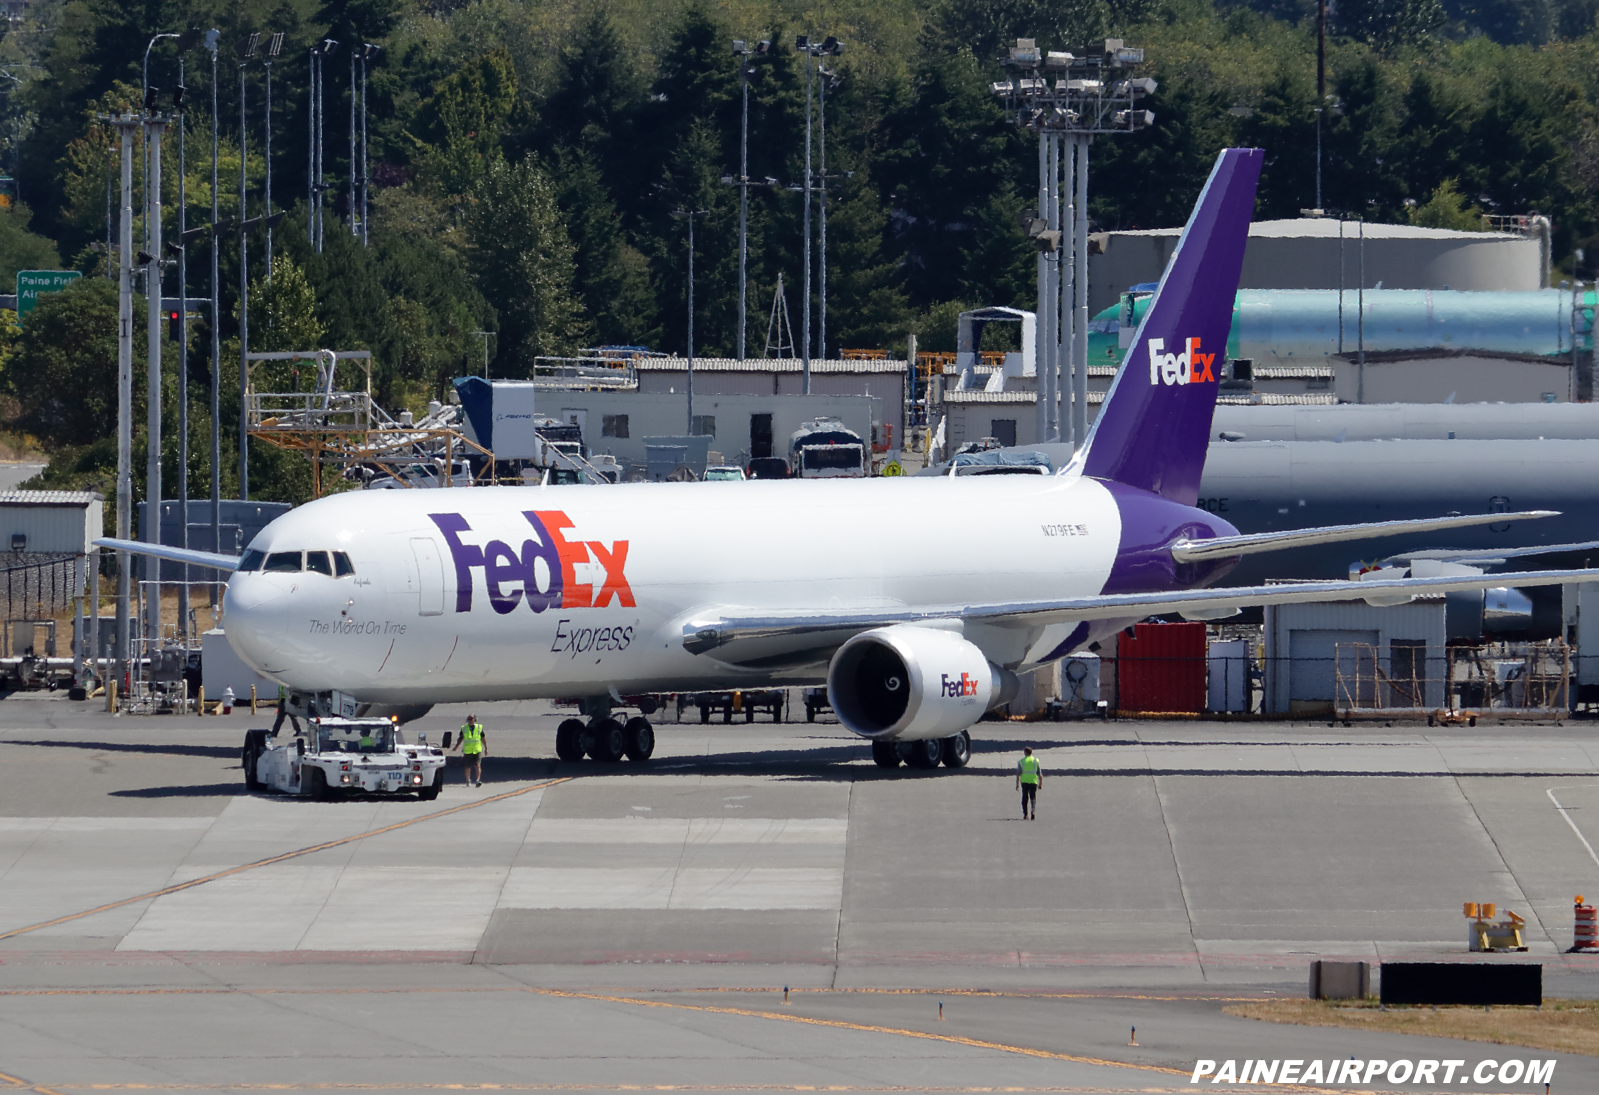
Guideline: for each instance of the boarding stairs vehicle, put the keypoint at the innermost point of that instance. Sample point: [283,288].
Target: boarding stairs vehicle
[332,756]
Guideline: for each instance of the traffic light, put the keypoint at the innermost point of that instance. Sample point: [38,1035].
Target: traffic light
[175,326]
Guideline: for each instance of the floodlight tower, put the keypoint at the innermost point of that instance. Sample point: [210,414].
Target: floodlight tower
[1090,95]
[246,52]
[274,47]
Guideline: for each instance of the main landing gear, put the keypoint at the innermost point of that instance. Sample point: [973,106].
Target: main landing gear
[952,752]
[604,738]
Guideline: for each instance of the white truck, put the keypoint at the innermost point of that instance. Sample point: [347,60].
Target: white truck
[335,755]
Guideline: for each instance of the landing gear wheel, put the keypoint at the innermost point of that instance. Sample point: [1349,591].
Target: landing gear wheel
[254,740]
[609,740]
[638,738]
[569,740]
[925,753]
[885,754]
[957,750]
[585,737]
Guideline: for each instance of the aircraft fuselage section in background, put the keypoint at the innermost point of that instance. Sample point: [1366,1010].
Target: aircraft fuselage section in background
[1268,486]
[506,592]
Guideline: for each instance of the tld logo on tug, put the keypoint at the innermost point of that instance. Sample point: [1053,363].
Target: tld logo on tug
[542,573]
[1188,367]
[963,685]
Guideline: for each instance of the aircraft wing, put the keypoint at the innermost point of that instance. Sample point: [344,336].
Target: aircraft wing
[173,554]
[765,635]
[1222,547]
[1496,557]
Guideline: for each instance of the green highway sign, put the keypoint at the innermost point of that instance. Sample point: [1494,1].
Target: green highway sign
[31,283]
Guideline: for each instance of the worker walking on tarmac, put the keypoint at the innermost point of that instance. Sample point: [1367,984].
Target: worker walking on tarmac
[1029,777]
[473,744]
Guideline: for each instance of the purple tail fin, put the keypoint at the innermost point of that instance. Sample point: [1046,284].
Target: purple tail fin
[1154,426]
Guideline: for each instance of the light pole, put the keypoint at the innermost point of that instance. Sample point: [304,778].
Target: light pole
[690,214]
[812,50]
[355,228]
[183,358]
[320,131]
[251,44]
[746,75]
[125,125]
[829,79]
[144,92]
[367,50]
[274,46]
[211,39]
[150,533]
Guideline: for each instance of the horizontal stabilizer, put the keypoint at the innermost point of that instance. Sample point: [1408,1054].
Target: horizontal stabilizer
[1223,547]
[173,554]
[771,632]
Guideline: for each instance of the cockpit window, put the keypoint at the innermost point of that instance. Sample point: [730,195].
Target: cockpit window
[342,565]
[252,561]
[282,562]
[317,561]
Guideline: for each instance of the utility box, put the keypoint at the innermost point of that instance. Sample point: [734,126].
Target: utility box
[1160,668]
[1227,676]
[1340,980]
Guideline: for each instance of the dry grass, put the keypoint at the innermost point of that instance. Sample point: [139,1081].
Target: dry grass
[1562,1026]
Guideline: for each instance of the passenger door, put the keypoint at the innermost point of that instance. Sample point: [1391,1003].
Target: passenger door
[430,575]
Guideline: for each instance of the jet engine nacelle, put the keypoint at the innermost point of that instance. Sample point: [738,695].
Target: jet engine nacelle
[906,683]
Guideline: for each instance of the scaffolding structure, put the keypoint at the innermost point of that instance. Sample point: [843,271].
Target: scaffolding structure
[345,428]
[1528,679]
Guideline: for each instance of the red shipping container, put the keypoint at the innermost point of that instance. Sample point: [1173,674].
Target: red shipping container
[1161,667]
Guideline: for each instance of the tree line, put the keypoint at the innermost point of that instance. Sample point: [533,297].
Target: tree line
[526,161]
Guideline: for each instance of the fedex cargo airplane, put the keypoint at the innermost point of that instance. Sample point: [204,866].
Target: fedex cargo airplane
[916,600]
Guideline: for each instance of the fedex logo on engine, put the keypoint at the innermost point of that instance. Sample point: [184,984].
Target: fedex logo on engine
[542,571]
[1188,367]
[963,685]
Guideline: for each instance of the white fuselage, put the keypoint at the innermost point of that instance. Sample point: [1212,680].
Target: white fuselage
[615,571]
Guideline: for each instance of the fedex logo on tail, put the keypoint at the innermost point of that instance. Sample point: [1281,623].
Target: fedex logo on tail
[964,685]
[1188,367]
[541,572]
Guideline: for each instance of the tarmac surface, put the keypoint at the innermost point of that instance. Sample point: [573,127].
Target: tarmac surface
[586,926]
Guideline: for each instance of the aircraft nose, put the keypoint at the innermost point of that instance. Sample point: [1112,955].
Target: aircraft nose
[254,618]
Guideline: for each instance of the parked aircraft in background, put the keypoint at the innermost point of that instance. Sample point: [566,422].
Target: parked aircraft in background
[917,601]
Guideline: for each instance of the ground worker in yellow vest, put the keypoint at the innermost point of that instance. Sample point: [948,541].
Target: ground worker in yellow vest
[1029,777]
[473,743]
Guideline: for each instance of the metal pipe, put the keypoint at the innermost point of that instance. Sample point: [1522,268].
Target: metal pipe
[244,297]
[151,532]
[124,389]
[183,372]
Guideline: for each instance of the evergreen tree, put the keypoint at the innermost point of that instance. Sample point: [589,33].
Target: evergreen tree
[596,102]
[523,261]
[612,277]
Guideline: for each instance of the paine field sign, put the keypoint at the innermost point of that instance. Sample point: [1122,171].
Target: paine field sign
[32,283]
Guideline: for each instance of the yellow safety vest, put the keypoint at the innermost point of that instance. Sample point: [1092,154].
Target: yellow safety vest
[1029,769]
[472,738]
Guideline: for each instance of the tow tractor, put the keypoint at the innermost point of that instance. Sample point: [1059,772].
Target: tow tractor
[334,755]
